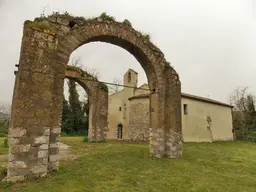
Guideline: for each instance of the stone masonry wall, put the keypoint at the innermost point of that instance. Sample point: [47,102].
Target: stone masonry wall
[139,120]
[47,44]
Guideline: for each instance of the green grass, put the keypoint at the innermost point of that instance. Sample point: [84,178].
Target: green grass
[117,167]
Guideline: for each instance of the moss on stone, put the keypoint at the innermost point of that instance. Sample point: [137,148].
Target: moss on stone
[42,25]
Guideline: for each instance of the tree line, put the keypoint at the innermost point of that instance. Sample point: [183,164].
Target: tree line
[244,114]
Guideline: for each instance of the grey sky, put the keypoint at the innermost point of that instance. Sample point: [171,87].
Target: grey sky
[210,43]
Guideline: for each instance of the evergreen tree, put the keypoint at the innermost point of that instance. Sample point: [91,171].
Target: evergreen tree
[76,109]
[67,120]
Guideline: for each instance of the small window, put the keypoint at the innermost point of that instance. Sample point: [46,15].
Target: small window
[120,108]
[185,108]
[129,77]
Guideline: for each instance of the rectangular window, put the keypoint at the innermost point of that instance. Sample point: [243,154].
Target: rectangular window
[120,108]
[185,109]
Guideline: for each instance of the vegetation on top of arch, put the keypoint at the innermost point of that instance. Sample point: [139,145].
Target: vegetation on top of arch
[42,23]
[85,74]
[103,17]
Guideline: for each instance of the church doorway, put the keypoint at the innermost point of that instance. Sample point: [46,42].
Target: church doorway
[120,131]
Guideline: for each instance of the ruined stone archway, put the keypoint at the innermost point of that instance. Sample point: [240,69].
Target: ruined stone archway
[46,46]
[98,102]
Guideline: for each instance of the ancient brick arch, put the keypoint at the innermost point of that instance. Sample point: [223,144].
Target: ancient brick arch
[98,102]
[47,44]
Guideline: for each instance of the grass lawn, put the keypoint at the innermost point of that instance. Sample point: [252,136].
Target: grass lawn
[118,167]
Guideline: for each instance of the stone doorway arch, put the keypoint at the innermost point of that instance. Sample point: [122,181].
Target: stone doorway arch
[119,131]
[47,44]
[98,102]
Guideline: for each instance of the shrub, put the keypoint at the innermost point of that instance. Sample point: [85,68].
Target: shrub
[6,143]
[3,135]
[63,134]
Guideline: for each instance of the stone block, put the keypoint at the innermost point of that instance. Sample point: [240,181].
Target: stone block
[39,169]
[45,161]
[54,158]
[47,132]
[15,178]
[56,130]
[42,140]
[54,145]
[44,146]
[54,165]
[20,148]
[14,141]
[42,154]
[17,132]
[10,157]
[17,164]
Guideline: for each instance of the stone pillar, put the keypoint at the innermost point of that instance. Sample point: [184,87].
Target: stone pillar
[98,115]
[101,116]
[92,119]
[173,128]
[32,111]
[157,134]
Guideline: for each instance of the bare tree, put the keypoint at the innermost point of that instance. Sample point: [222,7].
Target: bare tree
[76,61]
[115,88]
[92,71]
[5,113]
[239,98]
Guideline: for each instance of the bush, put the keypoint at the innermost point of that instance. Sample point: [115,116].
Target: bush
[6,143]
[3,171]
[3,135]
[4,129]
[63,134]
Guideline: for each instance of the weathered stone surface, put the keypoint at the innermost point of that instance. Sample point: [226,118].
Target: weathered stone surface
[14,141]
[42,154]
[139,121]
[42,140]
[39,169]
[56,130]
[54,158]
[17,132]
[20,148]
[43,57]
[44,146]
[17,164]
[54,145]
[47,132]
[14,178]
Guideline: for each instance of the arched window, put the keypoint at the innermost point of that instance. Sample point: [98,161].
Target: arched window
[129,77]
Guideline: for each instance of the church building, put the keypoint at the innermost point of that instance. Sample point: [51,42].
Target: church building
[203,119]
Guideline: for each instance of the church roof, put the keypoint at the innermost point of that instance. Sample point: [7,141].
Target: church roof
[189,96]
[132,70]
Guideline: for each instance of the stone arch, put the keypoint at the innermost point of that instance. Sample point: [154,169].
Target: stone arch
[47,44]
[119,131]
[98,102]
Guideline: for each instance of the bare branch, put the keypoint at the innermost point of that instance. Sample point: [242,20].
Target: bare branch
[92,71]
[76,61]
[115,88]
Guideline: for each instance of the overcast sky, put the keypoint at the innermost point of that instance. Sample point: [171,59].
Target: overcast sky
[210,43]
